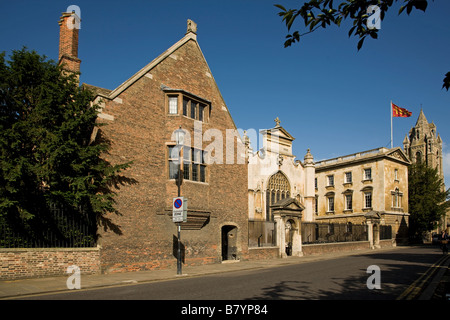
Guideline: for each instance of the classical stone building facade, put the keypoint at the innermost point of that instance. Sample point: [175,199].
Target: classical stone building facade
[364,186]
[174,91]
[280,192]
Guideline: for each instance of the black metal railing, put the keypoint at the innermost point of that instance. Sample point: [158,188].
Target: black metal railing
[313,232]
[385,232]
[55,227]
[261,233]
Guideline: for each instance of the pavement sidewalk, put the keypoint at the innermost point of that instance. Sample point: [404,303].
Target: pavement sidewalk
[10,289]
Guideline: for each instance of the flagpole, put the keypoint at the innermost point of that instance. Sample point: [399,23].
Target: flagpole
[392,135]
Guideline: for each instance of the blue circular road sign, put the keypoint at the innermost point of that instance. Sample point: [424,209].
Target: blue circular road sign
[178,203]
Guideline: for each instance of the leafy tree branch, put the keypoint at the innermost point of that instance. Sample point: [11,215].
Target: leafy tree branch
[320,14]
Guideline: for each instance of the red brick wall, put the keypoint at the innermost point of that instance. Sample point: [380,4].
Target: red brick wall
[140,132]
[263,253]
[324,248]
[68,44]
[317,249]
[33,263]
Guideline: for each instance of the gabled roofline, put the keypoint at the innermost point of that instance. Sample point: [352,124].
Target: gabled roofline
[402,153]
[190,35]
[151,65]
[272,132]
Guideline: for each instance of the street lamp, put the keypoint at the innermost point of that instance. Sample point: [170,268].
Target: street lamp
[179,136]
[179,139]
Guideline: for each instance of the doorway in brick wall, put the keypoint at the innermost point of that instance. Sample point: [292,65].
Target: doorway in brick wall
[229,243]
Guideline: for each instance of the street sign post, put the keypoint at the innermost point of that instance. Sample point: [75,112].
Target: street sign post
[179,209]
[179,215]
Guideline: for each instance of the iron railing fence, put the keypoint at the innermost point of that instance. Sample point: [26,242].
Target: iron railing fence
[314,232]
[56,227]
[261,233]
[385,232]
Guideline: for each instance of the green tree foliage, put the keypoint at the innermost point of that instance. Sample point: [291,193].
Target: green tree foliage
[47,157]
[318,14]
[428,200]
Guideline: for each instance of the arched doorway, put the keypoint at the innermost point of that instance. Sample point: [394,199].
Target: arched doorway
[229,243]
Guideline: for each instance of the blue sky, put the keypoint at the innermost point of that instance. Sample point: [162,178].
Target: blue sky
[330,97]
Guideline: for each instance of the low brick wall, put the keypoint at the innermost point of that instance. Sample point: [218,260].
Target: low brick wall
[260,253]
[317,249]
[322,248]
[19,263]
[388,243]
[156,265]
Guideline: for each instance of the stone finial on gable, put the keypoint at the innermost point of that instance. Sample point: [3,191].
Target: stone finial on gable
[191,26]
[277,122]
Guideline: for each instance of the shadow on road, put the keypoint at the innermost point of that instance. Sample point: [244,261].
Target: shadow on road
[398,271]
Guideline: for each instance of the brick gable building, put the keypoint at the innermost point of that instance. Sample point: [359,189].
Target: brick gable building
[175,90]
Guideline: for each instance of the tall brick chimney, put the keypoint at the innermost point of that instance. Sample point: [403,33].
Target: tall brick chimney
[68,41]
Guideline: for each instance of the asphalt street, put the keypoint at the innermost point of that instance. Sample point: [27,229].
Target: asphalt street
[341,278]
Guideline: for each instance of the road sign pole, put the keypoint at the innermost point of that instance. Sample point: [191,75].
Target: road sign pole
[179,213]
[177,205]
[179,249]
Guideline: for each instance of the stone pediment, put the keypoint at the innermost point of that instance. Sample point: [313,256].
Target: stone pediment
[398,154]
[277,140]
[288,204]
[282,133]
[279,132]
[373,215]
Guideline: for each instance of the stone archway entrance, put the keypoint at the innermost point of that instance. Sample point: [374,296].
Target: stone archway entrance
[287,214]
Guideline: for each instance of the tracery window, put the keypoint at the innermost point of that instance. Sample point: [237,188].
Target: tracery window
[278,188]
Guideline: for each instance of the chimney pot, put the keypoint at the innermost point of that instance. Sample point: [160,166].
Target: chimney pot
[68,41]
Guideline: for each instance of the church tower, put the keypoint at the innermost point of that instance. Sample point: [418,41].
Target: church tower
[423,144]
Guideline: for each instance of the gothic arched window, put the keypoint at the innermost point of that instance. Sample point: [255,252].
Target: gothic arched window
[278,188]
[418,157]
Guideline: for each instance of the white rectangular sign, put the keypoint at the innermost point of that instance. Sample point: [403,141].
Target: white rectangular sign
[179,209]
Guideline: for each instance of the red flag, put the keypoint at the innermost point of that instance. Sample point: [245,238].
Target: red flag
[400,112]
